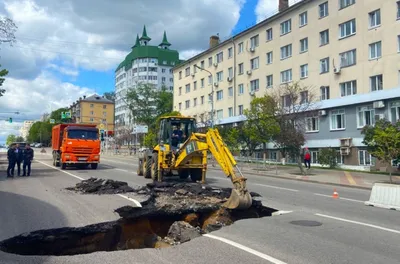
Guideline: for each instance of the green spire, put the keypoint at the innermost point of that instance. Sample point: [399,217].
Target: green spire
[144,35]
[137,43]
[165,40]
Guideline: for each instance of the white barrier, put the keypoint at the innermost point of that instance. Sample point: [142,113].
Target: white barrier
[385,195]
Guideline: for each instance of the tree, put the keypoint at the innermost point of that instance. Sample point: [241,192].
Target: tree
[19,139]
[110,96]
[295,103]
[3,73]
[7,30]
[230,135]
[150,140]
[10,139]
[328,157]
[383,141]
[164,101]
[261,120]
[40,132]
[56,115]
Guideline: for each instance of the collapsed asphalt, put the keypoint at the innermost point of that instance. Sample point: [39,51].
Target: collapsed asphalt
[171,213]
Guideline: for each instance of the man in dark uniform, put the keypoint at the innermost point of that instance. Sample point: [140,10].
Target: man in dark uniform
[12,157]
[19,154]
[28,157]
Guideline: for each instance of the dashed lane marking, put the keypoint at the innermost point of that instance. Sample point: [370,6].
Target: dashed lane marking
[247,249]
[70,174]
[121,170]
[275,187]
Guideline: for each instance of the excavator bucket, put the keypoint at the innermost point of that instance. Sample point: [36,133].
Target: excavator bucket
[238,200]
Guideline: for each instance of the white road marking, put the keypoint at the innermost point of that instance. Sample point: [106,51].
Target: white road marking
[247,249]
[341,198]
[275,187]
[121,170]
[360,223]
[70,174]
[281,213]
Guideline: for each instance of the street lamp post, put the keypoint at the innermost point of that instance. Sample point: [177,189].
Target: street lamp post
[212,94]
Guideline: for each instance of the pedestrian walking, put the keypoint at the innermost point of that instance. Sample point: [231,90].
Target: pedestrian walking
[11,161]
[307,158]
[19,158]
[28,157]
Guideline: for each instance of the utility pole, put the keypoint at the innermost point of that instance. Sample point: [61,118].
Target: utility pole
[212,94]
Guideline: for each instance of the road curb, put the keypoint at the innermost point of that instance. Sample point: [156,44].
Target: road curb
[312,181]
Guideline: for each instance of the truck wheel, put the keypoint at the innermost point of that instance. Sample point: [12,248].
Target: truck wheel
[195,174]
[183,174]
[147,170]
[154,167]
[93,166]
[63,165]
[140,167]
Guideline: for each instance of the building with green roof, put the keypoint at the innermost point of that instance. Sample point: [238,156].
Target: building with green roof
[144,64]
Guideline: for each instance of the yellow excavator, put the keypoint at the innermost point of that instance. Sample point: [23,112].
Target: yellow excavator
[182,151]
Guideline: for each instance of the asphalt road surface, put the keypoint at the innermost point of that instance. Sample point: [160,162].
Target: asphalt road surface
[313,229]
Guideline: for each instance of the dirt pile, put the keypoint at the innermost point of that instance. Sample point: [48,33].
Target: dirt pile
[101,186]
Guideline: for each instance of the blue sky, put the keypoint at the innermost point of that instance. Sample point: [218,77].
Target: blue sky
[104,81]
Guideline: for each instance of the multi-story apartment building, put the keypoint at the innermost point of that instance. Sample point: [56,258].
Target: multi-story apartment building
[144,64]
[24,130]
[94,109]
[346,51]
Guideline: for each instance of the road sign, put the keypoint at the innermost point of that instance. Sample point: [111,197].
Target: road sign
[140,130]
[52,121]
[101,130]
[101,126]
[65,115]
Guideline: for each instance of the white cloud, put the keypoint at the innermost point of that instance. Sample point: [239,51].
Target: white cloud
[267,8]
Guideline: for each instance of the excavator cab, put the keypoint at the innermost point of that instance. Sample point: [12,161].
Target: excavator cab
[182,151]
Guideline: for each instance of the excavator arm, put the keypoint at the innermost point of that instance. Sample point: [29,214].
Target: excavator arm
[212,141]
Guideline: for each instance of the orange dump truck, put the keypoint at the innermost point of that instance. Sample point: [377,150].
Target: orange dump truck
[76,144]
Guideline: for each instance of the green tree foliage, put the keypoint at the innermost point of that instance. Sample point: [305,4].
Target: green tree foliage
[110,96]
[383,141]
[56,115]
[230,135]
[164,101]
[40,132]
[3,73]
[10,139]
[328,157]
[150,140]
[19,139]
[261,124]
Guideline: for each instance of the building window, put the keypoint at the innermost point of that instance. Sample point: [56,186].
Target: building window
[254,85]
[92,105]
[286,76]
[194,85]
[230,52]
[348,88]
[348,58]
[270,81]
[220,57]
[202,64]
[241,68]
[230,111]
[286,100]
[338,119]
[366,116]
[230,72]
[202,99]
[180,106]
[347,28]
[254,63]
[194,101]
[374,18]
[254,42]
[220,95]
[364,158]
[304,71]
[312,124]
[324,37]
[220,114]
[209,79]
[398,43]
[91,119]
[91,112]
[324,93]
[241,88]
[240,47]
[314,157]
[375,50]
[195,68]
[230,91]
[104,106]
[269,34]
[220,76]
[323,10]
[163,70]
[187,71]
[376,82]
[346,3]
[180,75]
[105,114]
[163,79]
[240,109]
[187,104]
[210,62]
[269,57]
[303,45]
[187,87]
[286,27]
[398,9]
[180,90]
[303,19]
[286,51]
[324,65]
[202,83]
[303,97]
[395,111]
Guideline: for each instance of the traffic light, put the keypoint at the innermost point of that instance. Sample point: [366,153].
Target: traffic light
[10,120]
[102,136]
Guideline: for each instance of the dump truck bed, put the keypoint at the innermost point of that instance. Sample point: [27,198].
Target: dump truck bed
[56,137]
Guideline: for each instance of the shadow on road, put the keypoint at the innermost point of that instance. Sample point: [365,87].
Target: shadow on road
[21,214]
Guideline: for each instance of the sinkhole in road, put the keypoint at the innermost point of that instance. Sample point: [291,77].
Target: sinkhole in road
[171,214]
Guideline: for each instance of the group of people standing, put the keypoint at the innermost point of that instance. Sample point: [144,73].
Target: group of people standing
[16,156]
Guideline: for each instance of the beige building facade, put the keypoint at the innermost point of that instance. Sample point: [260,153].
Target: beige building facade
[345,51]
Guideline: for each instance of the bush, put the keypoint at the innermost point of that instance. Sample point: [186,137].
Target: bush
[328,156]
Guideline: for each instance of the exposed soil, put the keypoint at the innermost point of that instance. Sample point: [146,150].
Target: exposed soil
[172,213]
